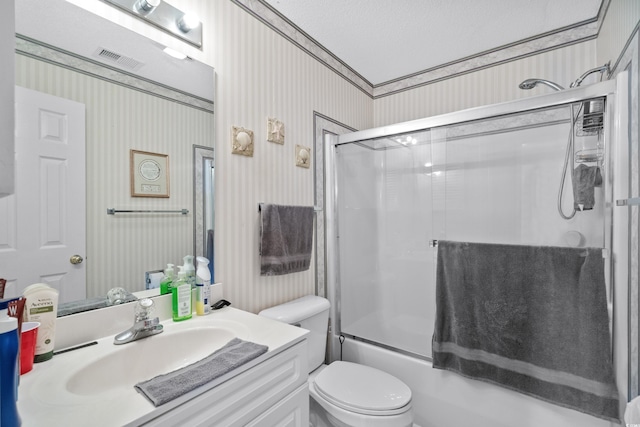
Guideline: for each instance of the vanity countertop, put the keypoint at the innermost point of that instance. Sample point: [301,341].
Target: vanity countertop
[58,392]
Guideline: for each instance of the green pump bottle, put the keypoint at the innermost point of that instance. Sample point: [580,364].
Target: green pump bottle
[167,280]
[181,304]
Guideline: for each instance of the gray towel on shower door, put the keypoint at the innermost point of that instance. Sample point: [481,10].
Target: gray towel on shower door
[585,178]
[529,318]
[286,237]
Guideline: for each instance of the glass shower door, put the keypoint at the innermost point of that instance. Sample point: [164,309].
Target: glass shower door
[384,227]
[492,180]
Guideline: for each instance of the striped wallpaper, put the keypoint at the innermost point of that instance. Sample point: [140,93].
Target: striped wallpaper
[622,19]
[260,74]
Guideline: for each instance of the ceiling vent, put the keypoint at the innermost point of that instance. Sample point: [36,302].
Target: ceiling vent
[121,60]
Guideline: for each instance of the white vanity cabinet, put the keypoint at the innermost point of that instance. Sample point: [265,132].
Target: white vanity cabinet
[7,84]
[94,384]
[272,393]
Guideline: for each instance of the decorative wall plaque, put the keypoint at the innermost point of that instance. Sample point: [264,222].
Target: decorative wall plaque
[149,174]
[275,131]
[303,156]
[242,141]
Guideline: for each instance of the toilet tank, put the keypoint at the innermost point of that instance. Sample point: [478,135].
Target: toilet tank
[312,313]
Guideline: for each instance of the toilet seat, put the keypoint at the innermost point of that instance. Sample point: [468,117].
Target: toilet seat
[362,389]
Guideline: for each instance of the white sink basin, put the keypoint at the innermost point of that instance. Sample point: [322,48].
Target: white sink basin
[144,359]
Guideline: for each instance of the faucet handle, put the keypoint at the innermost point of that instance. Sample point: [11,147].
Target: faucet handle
[143,309]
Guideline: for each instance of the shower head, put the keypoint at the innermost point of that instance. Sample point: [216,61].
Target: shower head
[604,68]
[531,83]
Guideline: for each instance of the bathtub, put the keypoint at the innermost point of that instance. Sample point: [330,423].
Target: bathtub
[444,399]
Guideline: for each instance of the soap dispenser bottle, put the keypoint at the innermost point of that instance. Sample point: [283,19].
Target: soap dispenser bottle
[181,297]
[203,287]
[167,280]
[190,270]
[8,367]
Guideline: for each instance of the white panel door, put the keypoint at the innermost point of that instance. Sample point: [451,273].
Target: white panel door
[42,226]
[7,73]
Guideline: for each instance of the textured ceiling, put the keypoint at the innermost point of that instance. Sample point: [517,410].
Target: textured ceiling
[387,39]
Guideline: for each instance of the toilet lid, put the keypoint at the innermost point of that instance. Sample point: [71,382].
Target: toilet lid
[362,389]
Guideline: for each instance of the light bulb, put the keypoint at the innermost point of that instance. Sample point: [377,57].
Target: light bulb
[188,22]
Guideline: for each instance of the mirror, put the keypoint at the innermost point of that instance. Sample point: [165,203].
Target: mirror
[143,100]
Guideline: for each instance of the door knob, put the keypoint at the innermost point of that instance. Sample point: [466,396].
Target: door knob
[76,259]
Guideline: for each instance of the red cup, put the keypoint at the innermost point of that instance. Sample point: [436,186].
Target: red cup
[28,345]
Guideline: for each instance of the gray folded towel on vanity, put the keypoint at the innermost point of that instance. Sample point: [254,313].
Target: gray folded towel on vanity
[166,387]
[585,178]
[529,318]
[286,238]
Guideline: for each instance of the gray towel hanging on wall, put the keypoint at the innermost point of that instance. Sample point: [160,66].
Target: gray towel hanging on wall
[286,239]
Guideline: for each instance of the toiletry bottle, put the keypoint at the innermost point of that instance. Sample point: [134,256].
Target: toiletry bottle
[8,367]
[190,270]
[167,280]
[42,306]
[203,287]
[181,297]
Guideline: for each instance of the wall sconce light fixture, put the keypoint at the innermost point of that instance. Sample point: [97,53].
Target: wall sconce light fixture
[161,14]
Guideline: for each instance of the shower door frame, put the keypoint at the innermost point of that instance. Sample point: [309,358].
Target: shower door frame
[616,92]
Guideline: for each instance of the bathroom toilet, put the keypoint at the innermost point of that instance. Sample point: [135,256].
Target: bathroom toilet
[343,394]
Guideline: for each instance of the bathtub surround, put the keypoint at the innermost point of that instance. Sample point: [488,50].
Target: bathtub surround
[532,319]
[286,238]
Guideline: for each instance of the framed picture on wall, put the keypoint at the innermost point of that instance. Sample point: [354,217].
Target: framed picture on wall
[149,174]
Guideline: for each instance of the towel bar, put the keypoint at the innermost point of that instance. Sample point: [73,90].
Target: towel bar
[634,201]
[315,208]
[113,211]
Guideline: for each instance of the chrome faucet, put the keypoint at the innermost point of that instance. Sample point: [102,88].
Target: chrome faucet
[143,325]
